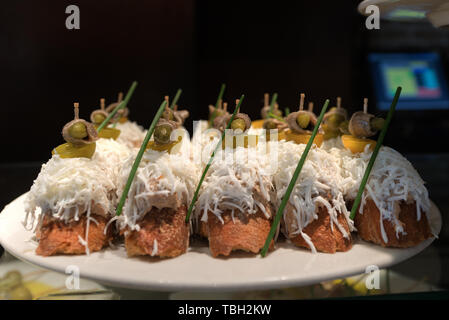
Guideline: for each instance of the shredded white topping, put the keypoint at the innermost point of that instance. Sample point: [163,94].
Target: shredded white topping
[110,155]
[318,185]
[392,179]
[154,251]
[66,188]
[162,180]
[238,179]
[131,134]
[71,187]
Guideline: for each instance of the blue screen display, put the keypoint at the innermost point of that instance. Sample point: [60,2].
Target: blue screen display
[420,76]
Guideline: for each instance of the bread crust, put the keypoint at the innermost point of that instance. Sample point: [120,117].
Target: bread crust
[56,237]
[247,232]
[322,236]
[368,226]
[167,227]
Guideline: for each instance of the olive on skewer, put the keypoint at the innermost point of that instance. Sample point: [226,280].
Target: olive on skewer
[97,117]
[275,122]
[80,137]
[301,124]
[122,115]
[178,116]
[167,124]
[239,130]
[214,112]
[266,109]
[264,112]
[333,120]
[362,126]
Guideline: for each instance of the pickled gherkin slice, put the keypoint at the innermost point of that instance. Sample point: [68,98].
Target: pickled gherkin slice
[153,145]
[69,150]
[108,133]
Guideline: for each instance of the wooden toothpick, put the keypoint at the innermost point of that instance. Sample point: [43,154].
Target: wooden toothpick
[310,107]
[266,98]
[102,103]
[76,106]
[120,96]
[338,102]
[365,105]
[166,98]
[301,101]
[225,106]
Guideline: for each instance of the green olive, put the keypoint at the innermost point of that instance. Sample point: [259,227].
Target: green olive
[162,133]
[78,130]
[20,293]
[168,114]
[238,124]
[303,120]
[334,120]
[99,118]
[269,124]
[330,134]
[277,112]
[377,123]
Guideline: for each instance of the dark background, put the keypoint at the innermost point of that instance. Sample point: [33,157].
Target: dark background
[316,47]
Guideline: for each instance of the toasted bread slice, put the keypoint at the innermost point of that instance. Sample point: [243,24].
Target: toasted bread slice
[247,232]
[56,237]
[163,233]
[325,238]
[368,226]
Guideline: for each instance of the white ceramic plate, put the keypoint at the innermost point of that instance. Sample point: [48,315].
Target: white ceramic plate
[196,270]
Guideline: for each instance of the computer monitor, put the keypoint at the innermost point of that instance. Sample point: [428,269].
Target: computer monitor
[420,75]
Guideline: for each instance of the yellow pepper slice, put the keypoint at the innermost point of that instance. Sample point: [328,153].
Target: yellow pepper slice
[109,133]
[357,145]
[257,124]
[69,150]
[281,135]
[303,138]
[153,145]
[248,140]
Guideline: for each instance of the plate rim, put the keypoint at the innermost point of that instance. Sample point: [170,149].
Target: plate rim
[168,286]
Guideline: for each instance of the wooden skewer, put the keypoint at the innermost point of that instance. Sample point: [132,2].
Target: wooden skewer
[266,97]
[175,108]
[338,102]
[301,101]
[166,98]
[276,106]
[225,106]
[220,104]
[76,105]
[365,105]
[120,96]
[310,107]
[102,103]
